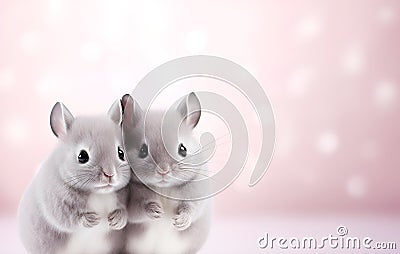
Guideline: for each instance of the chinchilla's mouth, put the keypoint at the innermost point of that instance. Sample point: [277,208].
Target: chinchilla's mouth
[163,183]
[105,186]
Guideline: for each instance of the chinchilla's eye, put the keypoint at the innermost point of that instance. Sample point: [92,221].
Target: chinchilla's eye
[182,150]
[83,157]
[144,151]
[121,155]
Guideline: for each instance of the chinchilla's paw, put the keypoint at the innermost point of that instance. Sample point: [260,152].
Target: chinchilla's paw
[154,210]
[89,219]
[118,219]
[182,220]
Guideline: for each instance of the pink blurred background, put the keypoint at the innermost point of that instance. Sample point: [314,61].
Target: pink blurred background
[330,68]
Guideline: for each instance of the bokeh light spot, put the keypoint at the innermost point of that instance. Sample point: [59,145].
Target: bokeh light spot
[385,94]
[299,81]
[353,60]
[327,142]
[356,186]
[309,28]
[16,131]
[386,14]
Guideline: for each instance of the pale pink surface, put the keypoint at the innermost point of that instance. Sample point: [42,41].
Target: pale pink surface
[239,234]
[330,68]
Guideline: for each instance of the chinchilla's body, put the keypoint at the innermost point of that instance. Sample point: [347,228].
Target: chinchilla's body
[165,160]
[160,227]
[76,203]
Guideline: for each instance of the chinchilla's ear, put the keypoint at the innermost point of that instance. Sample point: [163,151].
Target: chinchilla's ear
[132,111]
[124,100]
[190,109]
[60,120]
[115,112]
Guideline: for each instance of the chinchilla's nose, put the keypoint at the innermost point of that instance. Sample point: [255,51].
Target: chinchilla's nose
[108,172]
[163,169]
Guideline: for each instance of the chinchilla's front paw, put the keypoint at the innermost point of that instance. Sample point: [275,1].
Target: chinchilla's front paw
[89,219]
[154,210]
[182,220]
[118,219]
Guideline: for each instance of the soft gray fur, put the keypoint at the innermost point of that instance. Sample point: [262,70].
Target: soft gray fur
[55,213]
[160,225]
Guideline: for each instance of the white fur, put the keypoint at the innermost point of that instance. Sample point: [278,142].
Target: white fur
[154,240]
[94,240]
[161,236]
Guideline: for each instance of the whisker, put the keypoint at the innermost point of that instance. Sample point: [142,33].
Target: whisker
[199,169]
[215,141]
[87,182]
[200,150]
[190,171]
[193,155]
[76,178]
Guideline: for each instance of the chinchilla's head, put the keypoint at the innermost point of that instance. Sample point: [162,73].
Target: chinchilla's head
[163,151]
[90,154]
